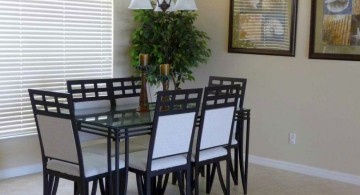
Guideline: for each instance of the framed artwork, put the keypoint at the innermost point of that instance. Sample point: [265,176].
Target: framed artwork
[263,27]
[335,30]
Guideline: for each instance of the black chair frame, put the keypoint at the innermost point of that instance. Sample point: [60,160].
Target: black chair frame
[60,105]
[238,149]
[168,103]
[215,97]
[104,89]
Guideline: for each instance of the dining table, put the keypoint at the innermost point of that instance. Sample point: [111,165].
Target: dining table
[122,122]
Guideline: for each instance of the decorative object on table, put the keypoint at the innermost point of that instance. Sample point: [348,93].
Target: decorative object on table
[165,72]
[335,30]
[265,27]
[169,38]
[163,5]
[143,67]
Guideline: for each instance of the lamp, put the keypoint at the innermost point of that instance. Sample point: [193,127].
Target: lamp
[165,5]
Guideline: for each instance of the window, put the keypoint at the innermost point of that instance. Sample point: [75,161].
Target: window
[43,43]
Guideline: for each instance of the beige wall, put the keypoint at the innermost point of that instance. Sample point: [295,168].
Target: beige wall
[19,152]
[317,99]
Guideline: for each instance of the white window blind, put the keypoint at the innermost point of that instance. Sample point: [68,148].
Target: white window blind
[264,23]
[43,43]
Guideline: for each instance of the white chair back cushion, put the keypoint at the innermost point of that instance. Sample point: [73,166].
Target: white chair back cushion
[92,104]
[126,101]
[173,134]
[58,138]
[91,107]
[217,127]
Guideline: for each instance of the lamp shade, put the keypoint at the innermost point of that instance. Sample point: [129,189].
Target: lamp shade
[170,9]
[185,5]
[140,4]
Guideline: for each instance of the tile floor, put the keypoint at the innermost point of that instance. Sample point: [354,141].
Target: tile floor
[262,181]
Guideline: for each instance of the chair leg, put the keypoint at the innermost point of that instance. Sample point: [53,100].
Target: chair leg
[55,186]
[227,176]
[76,188]
[148,185]
[45,183]
[94,187]
[196,175]
[140,184]
[163,186]
[84,188]
[208,177]
[221,178]
[202,171]
[188,181]
[181,183]
[234,167]
[158,186]
[173,179]
[102,187]
[211,177]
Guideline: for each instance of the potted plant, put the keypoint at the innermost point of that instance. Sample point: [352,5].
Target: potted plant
[169,38]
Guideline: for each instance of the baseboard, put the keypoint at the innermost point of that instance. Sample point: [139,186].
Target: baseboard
[306,170]
[20,171]
[292,167]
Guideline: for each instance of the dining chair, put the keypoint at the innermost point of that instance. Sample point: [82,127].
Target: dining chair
[90,94]
[126,91]
[98,96]
[170,142]
[235,145]
[62,155]
[214,136]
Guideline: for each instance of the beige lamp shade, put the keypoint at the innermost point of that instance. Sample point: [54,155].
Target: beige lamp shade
[140,4]
[170,9]
[185,5]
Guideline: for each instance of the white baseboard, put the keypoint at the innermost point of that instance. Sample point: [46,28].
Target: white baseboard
[20,171]
[292,167]
[306,170]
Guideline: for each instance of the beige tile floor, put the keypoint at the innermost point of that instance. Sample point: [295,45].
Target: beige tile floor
[262,181]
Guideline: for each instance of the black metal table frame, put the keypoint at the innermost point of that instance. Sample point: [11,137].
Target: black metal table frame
[114,133]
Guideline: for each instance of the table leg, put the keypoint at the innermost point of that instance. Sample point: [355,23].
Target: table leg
[109,180]
[247,151]
[117,172]
[241,153]
[244,160]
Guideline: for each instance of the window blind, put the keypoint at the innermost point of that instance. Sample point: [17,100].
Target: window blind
[43,43]
[263,23]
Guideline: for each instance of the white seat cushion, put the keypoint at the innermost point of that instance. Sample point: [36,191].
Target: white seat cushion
[138,160]
[94,164]
[209,153]
[100,146]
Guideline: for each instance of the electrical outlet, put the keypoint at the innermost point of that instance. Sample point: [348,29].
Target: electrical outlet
[292,138]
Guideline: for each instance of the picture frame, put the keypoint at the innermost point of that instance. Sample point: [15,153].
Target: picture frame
[335,30]
[266,27]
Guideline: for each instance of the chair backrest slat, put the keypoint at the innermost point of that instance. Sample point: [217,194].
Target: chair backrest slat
[124,89]
[103,92]
[89,90]
[217,80]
